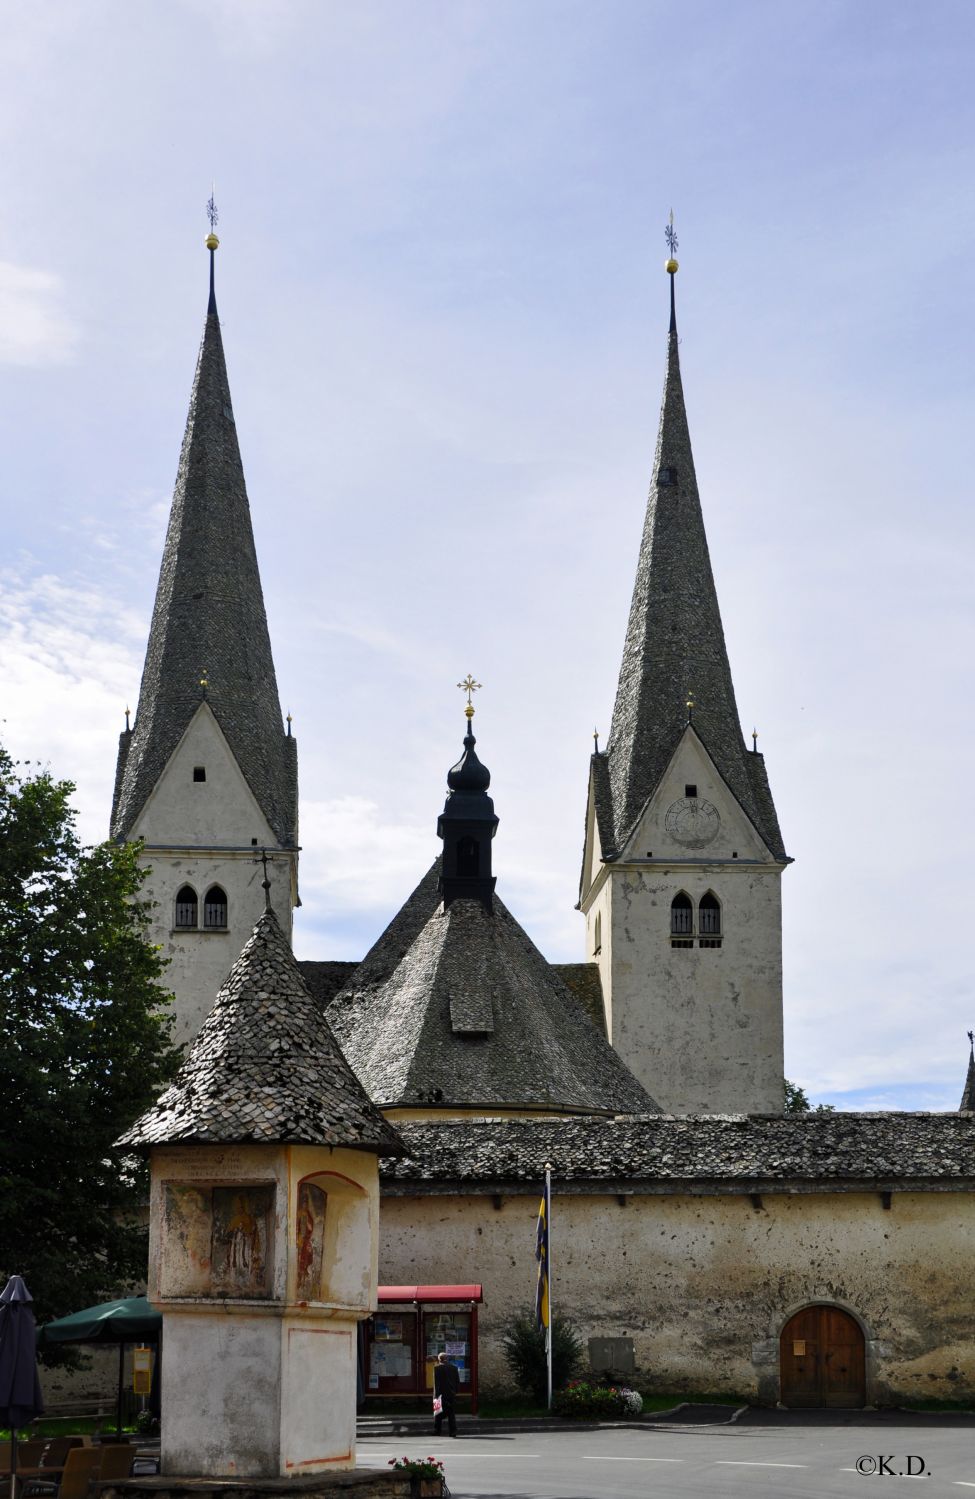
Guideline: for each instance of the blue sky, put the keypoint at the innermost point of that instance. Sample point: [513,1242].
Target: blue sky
[444,310]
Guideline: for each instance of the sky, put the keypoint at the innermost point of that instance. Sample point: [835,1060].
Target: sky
[444,310]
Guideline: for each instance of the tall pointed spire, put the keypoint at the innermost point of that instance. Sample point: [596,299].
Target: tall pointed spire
[675,647]
[968,1097]
[209,637]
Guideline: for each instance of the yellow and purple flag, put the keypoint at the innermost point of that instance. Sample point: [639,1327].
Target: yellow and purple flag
[542,1317]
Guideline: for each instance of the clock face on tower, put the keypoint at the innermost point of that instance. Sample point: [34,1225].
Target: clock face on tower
[692,822]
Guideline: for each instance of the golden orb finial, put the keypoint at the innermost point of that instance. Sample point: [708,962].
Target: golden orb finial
[211,242]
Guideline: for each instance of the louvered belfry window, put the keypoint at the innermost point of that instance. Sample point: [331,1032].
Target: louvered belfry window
[215,907]
[186,907]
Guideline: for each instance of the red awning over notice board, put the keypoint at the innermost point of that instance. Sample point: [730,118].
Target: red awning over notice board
[388,1294]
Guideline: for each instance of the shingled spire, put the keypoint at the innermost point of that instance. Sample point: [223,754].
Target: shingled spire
[675,648]
[968,1097]
[209,637]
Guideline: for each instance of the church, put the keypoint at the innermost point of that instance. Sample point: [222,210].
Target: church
[707,1239]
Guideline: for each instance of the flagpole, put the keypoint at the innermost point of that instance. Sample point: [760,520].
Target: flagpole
[548,1226]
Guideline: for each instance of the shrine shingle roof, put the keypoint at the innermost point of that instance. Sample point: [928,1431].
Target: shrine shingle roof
[457,1007]
[660,1152]
[265,1067]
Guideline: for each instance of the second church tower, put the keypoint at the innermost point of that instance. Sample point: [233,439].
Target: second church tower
[683,854]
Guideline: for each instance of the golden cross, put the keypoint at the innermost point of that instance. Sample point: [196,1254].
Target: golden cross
[469,685]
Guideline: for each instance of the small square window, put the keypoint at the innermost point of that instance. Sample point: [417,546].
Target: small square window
[690,791]
[199,772]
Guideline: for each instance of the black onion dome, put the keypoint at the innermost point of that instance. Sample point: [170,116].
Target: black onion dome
[469,774]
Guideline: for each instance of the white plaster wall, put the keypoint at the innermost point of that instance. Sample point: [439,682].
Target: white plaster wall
[703,1285]
[700,1027]
[222,1393]
[318,1388]
[203,834]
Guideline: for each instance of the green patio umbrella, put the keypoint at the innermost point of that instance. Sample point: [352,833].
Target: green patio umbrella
[129,1320]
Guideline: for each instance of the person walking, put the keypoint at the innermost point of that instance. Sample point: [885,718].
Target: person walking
[445,1384]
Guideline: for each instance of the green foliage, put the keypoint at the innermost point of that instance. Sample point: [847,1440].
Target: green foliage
[524,1352]
[796,1101]
[597,1402]
[84,1049]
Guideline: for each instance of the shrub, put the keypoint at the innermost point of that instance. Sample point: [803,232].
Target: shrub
[524,1351]
[596,1402]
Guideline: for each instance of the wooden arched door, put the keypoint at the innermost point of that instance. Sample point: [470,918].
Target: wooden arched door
[822,1359]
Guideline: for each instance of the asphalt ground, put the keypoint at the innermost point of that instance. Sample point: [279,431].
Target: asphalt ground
[762,1455]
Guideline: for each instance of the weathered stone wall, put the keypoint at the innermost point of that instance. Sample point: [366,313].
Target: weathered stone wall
[703,1285]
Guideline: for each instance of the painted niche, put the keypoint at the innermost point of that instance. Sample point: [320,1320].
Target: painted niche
[217,1241]
[310,1241]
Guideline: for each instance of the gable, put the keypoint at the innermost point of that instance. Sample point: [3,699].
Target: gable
[219,811]
[708,823]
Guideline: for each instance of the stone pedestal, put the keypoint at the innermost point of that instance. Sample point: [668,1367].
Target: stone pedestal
[263,1259]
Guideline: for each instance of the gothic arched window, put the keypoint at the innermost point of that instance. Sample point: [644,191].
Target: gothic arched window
[681,921]
[215,907]
[597,935]
[709,920]
[186,907]
[467,857]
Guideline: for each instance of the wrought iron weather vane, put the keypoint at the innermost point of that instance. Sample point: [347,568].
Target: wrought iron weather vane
[670,235]
[212,244]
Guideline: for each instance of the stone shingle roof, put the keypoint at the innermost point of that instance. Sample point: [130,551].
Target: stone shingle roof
[265,1068]
[674,645]
[458,1008]
[661,1152]
[209,616]
[325,979]
[584,981]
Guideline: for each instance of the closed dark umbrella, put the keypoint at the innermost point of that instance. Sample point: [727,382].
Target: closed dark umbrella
[20,1388]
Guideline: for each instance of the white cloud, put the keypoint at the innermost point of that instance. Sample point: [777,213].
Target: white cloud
[66,651]
[34,327]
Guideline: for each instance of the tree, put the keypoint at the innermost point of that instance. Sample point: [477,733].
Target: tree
[523,1342]
[84,1049]
[796,1101]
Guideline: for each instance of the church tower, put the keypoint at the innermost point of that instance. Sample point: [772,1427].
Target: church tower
[683,855]
[207,775]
